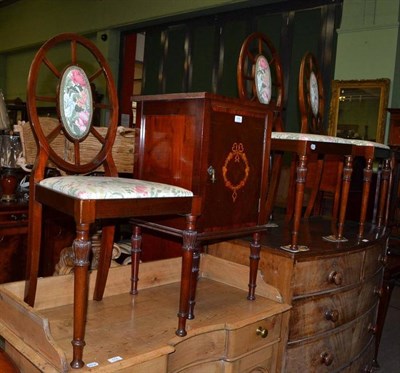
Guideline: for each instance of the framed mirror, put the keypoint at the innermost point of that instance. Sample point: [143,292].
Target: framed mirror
[358,109]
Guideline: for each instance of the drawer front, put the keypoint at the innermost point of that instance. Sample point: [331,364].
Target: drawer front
[373,260]
[334,350]
[317,314]
[197,349]
[324,274]
[261,361]
[364,362]
[253,336]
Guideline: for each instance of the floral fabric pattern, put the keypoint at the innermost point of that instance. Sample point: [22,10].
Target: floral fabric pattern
[325,138]
[102,187]
[76,102]
[263,80]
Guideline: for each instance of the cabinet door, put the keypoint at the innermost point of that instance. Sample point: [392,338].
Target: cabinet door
[236,170]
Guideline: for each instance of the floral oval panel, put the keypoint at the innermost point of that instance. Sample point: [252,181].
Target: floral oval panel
[76,102]
[262,78]
[314,95]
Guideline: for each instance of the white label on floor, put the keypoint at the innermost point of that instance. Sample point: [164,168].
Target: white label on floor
[114,359]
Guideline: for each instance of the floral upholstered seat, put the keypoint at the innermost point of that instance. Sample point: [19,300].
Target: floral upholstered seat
[102,187]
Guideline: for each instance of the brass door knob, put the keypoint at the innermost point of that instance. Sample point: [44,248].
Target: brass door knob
[335,278]
[332,315]
[326,358]
[263,333]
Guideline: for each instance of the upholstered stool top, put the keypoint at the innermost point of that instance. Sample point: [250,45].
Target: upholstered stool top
[102,187]
[325,138]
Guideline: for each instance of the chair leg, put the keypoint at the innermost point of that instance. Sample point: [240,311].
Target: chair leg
[347,171]
[384,193]
[255,248]
[276,169]
[336,193]
[107,241]
[82,247]
[136,244]
[188,249]
[193,282]
[293,187]
[365,195]
[316,188]
[33,252]
[299,195]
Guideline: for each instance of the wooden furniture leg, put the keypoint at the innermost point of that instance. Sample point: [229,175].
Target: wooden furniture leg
[347,171]
[104,262]
[384,193]
[34,241]
[193,282]
[316,187]
[255,248]
[300,181]
[82,247]
[292,188]
[136,249]
[365,195]
[275,178]
[188,249]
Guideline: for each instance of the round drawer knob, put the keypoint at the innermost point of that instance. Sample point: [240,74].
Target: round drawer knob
[383,259]
[372,328]
[263,333]
[326,358]
[335,278]
[332,315]
[378,291]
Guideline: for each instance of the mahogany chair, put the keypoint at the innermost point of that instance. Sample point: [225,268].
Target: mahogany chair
[324,172]
[260,79]
[89,199]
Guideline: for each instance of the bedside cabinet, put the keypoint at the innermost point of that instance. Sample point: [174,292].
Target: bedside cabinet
[13,240]
[215,146]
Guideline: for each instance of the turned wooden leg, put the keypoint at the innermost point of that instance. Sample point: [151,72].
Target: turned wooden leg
[384,193]
[103,267]
[82,246]
[300,181]
[136,249]
[276,169]
[292,188]
[347,171]
[193,282]
[316,187]
[365,195]
[189,244]
[255,248]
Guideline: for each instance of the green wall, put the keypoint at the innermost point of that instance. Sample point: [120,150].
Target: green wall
[368,44]
[30,22]
[26,24]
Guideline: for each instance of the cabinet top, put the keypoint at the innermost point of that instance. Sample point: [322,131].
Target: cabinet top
[202,96]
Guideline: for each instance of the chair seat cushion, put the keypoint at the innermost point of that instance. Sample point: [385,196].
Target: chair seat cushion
[325,138]
[103,187]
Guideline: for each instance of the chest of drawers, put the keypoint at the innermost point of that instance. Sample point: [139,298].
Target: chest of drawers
[334,292]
